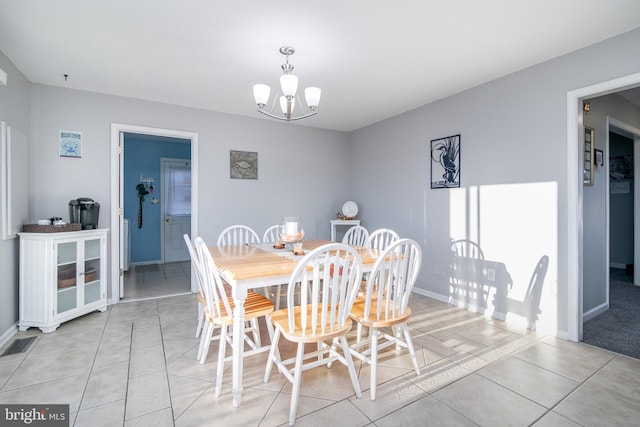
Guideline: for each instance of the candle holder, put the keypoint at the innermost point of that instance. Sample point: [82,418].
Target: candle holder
[290,231]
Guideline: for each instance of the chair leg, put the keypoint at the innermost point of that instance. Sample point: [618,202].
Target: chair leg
[273,355]
[200,320]
[295,391]
[221,351]
[407,339]
[352,369]
[397,330]
[373,335]
[255,330]
[205,342]
[203,338]
[278,296]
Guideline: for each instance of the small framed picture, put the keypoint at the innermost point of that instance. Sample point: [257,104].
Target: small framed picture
[243,164]
[70,144]
[599,160]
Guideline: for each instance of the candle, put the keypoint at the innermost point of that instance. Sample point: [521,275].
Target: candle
[291,228]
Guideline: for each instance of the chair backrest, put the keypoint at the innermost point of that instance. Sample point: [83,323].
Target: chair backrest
[270,234]
[194,260]
[466,248]
[356,236]
[237,235]
[212,284]
[382,237]
[326,282]
[392,279]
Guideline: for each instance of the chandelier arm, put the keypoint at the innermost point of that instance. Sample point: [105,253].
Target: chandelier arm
[284,119]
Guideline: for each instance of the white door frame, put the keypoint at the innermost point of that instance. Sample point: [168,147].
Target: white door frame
[574,195]
[117,189]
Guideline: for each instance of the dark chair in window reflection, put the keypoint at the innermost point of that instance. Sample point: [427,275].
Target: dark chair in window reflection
[467,281]
[466,248]
[529,307]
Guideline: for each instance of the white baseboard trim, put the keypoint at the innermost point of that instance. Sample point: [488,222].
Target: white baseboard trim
[133,264]
[595,311]
[8,334]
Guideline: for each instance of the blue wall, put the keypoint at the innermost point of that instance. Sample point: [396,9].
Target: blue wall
[142,155]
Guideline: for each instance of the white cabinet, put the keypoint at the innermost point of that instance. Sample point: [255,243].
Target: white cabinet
[62,276]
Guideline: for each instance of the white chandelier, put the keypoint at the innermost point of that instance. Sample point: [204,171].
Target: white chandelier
[288,89]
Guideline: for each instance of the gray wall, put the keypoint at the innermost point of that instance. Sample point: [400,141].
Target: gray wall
[14,110]
[513,167]
[595,269]
[302,171]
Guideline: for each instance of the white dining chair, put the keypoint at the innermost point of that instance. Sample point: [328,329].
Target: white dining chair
[200,295]
[332,272]
[356,236]
[219,312]
[381,238]
[237,235]
[386,305]
[275,292]
[270,234]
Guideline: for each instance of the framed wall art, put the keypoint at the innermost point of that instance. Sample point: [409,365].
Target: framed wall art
[70,144]
[445,162]
[587,172]
[243,164]
[599,158]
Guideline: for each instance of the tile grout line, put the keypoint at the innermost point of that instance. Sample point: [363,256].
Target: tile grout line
[166,372]
[95,356]
[126,393]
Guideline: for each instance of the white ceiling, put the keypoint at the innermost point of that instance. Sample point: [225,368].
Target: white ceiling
[373,59]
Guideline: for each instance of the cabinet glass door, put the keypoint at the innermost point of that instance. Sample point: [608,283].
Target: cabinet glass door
[91,270]
[67,276]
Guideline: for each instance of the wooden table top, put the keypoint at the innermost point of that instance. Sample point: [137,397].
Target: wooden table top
[249,262]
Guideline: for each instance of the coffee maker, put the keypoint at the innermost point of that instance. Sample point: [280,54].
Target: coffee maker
[84,211]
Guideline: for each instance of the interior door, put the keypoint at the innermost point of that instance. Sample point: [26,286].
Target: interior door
[176,196]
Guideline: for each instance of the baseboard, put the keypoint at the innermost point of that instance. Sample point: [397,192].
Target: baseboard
[8,334]
[133,264]
[595,311]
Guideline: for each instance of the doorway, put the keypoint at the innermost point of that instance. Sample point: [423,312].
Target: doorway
[116,280]
[575,227]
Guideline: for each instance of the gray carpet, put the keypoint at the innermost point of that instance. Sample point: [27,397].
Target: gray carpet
[617,329]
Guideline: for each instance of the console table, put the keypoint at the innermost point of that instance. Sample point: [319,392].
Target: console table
[341,222]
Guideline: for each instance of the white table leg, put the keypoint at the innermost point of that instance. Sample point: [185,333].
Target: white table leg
[238,345]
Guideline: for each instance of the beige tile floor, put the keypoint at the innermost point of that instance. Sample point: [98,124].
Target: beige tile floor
[157,280]
[135,365]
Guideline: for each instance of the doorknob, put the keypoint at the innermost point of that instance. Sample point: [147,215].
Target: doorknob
[167,220]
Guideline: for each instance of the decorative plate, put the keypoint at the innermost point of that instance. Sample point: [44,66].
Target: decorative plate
[350,209]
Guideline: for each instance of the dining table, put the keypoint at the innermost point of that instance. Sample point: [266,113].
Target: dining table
[253,266]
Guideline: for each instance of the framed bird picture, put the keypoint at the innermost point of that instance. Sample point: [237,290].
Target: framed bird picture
[445,162]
